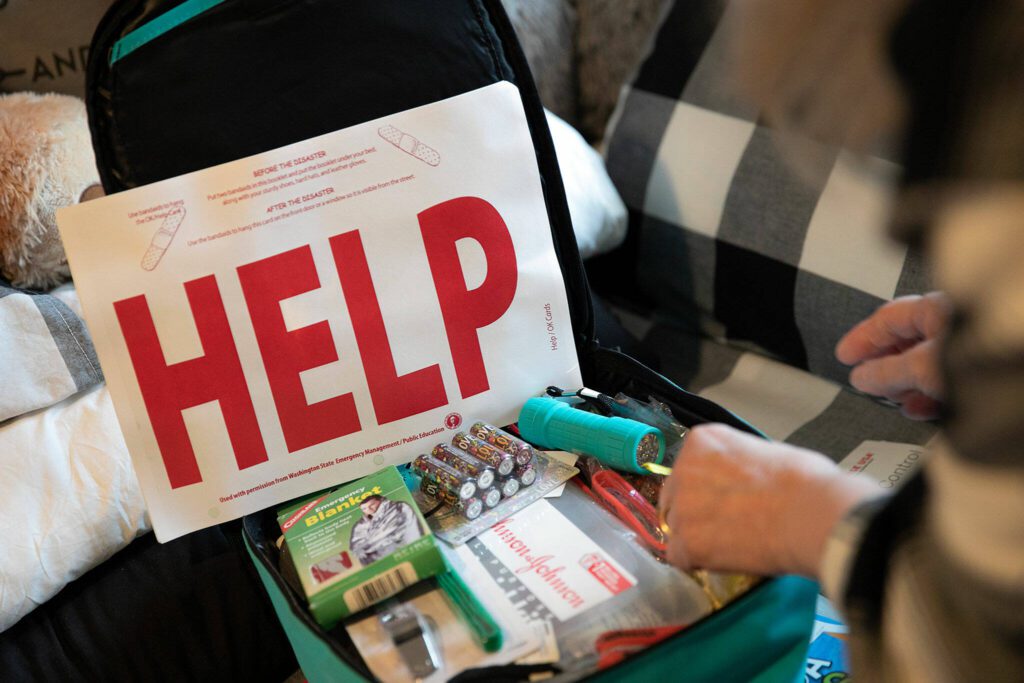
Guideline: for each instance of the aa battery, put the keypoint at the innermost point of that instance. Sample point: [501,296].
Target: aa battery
[498,459]
[517,448]
[491,497]
[470,508]
[526,474]
[466,464]
[457,484]
[509,486]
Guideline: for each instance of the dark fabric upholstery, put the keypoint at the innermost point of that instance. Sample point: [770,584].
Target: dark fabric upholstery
[189,610]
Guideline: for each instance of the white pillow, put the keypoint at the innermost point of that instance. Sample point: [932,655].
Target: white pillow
[70,499]
[598,214]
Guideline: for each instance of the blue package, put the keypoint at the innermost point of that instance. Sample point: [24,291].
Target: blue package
[827,659]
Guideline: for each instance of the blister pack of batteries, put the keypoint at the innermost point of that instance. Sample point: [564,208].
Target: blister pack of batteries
[481,476]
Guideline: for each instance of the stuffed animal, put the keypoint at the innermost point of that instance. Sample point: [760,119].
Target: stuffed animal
[46,162]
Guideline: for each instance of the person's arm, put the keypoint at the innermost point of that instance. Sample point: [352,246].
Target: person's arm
[927,578]
[931,580]
[939,592]
[953,573]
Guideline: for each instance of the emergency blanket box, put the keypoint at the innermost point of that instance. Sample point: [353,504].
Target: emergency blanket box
[176,86]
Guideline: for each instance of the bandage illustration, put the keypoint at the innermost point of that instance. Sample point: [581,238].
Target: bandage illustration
[410,145]
[162,238]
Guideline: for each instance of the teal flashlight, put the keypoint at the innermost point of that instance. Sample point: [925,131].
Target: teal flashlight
[616,441]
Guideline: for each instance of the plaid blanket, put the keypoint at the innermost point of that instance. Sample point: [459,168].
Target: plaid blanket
[750,252]
[748,234]
[47,352]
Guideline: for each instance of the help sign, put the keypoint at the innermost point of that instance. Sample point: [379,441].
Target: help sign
[289,321]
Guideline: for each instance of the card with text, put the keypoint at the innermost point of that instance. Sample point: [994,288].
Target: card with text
[557,562]
[299,318]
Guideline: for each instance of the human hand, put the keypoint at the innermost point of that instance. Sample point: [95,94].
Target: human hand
[895,353]
[738,503]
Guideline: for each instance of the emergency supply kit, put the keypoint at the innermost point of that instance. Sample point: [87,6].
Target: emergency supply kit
[335,266]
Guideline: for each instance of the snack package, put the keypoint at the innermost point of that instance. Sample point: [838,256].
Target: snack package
[358,544]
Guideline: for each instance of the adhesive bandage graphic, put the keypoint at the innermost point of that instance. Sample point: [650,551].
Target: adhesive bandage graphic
[162,238]
[410,145]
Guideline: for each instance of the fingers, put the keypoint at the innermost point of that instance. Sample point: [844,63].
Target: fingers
[896,353]
[894,327]
[685,492]
[738,503]
[719,503]
[676,555]
[917,406]
[914,370]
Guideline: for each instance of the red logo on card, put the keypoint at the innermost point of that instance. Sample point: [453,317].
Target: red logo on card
[604,572]
[863,462]
[452,420]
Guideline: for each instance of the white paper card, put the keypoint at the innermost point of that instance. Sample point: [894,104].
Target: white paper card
[303,317]
[887,463]
[557,562]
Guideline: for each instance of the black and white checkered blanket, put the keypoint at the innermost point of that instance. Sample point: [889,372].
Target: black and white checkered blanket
[753,251]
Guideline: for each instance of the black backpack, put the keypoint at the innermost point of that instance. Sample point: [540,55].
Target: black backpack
[176,86]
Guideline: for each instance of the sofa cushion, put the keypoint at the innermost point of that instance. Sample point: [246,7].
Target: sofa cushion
[739,230]
[70,499]
[597,212]
[787,403]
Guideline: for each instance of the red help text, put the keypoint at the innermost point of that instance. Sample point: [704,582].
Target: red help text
[217,375]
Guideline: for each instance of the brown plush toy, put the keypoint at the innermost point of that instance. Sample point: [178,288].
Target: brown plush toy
[46,162]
